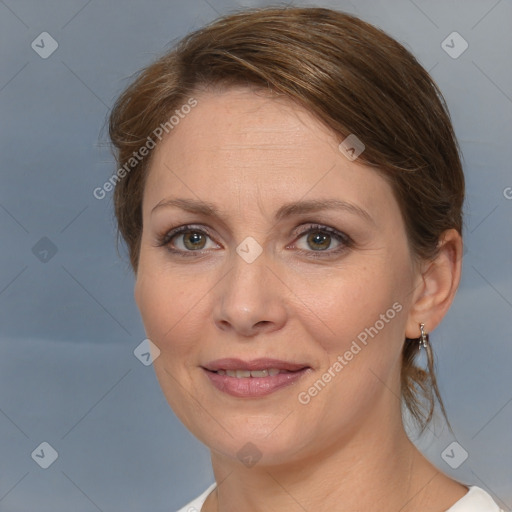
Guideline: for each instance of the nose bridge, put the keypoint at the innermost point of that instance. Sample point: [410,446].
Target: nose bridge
[250,298]
[247,283]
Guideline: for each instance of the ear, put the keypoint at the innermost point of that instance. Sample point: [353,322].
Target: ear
[437,285]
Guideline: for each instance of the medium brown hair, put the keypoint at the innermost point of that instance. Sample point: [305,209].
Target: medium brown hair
[351,76]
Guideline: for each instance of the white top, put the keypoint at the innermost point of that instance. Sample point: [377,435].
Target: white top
[476,500]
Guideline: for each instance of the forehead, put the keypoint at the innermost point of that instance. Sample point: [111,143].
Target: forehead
[240,144]
[249,121]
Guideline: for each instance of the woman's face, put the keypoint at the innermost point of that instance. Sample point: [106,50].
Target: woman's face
[263,241]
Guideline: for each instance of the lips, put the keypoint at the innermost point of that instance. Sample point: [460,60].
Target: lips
[254,378]
[253,365]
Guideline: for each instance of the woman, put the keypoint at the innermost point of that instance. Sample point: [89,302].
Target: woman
[290,192]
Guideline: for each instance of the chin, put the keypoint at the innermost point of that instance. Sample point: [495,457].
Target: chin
[267,439]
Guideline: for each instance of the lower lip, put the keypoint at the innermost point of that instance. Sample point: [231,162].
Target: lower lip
[249,387]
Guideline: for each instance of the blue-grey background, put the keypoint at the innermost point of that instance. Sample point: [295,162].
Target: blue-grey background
[68,322]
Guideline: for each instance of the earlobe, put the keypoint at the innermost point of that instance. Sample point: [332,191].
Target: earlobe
[439,282]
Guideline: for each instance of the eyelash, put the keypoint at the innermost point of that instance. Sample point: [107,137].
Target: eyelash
[345,241]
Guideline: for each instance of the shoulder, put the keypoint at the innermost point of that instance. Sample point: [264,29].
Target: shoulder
[196,504]
[476,500]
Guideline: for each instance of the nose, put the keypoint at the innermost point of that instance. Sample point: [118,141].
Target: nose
[250,300]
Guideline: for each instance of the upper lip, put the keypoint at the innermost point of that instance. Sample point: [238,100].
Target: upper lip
[253,364]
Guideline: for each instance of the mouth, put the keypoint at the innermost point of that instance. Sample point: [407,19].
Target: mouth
[255,378]
[243,374]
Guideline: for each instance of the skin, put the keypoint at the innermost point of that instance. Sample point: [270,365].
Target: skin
[249,154]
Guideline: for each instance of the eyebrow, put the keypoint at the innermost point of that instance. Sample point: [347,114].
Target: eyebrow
[287,210]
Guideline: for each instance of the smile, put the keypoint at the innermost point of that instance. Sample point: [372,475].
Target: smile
[253,379]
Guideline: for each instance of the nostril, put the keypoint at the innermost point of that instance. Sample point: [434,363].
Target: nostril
[224,324]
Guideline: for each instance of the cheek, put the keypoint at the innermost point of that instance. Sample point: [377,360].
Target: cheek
[355,303]
[363,314]
[170,309]
[358,324]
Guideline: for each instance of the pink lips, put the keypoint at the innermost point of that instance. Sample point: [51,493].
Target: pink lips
[250,386]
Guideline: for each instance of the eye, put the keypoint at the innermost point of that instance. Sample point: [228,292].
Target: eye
[317,240]
[322,239]
[187,239]
[192,240]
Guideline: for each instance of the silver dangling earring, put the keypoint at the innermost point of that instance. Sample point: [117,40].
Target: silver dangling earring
[423,337]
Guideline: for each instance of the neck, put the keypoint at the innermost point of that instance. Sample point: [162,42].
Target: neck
[376,466]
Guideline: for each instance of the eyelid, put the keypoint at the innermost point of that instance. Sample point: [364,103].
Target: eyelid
[314,226]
